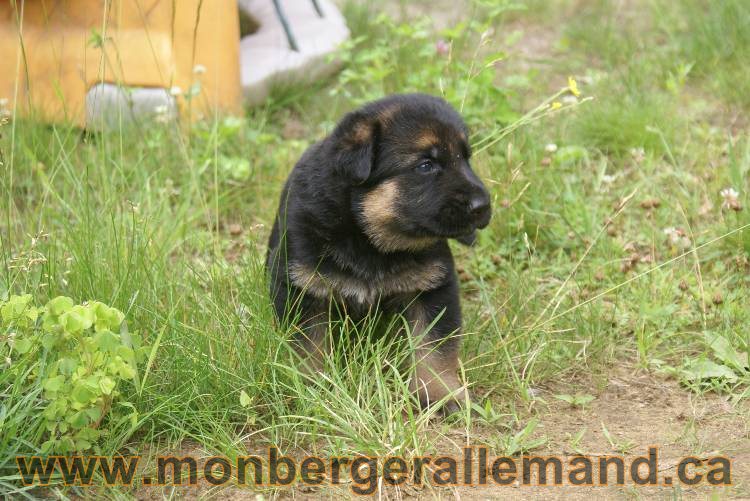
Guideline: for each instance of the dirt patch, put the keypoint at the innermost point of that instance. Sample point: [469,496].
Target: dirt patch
[631,412]
[444,13]
[638,411]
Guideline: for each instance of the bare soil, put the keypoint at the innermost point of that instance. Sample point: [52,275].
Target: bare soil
[639,410]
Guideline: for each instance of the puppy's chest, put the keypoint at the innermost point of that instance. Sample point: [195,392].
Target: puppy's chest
[352,282]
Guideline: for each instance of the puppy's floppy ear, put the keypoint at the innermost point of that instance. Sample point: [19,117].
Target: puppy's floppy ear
[354,141]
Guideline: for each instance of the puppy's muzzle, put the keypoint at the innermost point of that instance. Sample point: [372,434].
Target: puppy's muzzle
[478,215]
[479,209]
[477,201]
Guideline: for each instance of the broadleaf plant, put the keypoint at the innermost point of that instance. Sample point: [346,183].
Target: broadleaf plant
[79,356]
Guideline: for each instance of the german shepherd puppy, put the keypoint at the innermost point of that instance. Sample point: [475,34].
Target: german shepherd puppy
[364,223]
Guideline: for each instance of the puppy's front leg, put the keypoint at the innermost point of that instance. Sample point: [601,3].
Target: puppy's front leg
[437,345]
[296,308]
[311,340]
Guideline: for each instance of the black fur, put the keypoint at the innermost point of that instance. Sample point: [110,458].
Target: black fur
[369,210]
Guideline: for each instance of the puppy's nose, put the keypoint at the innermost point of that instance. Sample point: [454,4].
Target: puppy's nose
[479,204]
[479,209]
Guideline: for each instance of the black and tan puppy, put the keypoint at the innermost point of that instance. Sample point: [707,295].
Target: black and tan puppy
[363,223]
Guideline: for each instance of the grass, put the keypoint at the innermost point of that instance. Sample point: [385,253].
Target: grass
[574,275]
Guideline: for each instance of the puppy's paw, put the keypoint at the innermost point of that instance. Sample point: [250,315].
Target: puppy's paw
[452,407]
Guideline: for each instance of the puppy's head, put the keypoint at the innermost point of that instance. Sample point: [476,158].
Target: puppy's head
[407,160]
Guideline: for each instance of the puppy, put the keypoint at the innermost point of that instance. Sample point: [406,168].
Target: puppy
[364,222]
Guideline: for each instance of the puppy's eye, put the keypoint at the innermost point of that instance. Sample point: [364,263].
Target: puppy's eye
[427,167]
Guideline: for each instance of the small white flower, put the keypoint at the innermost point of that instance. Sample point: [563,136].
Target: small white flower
[8,361]
[199,69]
[162,114]
[677,237]
[608,179]
[534,392]
[731,199]
[569,99]
[175,90]
[638,154]
[550,148]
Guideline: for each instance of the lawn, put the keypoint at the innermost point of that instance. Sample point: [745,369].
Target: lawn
[606,307]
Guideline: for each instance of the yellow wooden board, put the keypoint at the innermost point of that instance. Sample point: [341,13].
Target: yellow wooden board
[53,51]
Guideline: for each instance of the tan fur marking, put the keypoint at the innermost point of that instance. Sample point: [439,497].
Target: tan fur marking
[309,280]
[426,139]
[434,372]
[386,115]
[362,133]
[379,214]
[312,342]
[419,278]
[435,377]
